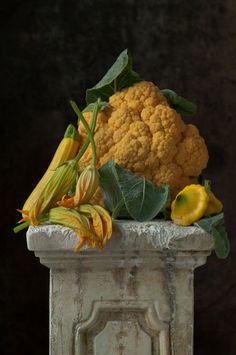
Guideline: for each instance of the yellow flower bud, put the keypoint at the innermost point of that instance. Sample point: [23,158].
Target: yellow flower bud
[87,185]
[57,186]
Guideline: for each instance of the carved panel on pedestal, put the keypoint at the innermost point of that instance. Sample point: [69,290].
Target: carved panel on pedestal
[122,329]
[122,337]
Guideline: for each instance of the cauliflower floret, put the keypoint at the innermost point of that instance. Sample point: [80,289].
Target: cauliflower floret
[138,96]
[167,174]
[164,146]
[192,153]
[144,135]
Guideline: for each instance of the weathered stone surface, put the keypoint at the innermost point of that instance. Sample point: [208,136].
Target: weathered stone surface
[136,295]
[126,235]
[126,335]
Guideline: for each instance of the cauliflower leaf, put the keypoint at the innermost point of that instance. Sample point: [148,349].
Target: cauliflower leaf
[216,227]
[111,192]
[101,106]
[183,106]
[118,77]
[142,199]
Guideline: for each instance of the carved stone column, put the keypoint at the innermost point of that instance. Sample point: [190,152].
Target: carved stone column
[133,298]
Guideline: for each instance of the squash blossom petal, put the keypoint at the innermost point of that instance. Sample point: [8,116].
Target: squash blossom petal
[106,221]
[86,186]
[97,224]
[67,201]
[57,186]
[78,222]
[101,221]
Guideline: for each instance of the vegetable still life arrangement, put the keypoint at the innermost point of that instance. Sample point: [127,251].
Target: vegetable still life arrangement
[132,156]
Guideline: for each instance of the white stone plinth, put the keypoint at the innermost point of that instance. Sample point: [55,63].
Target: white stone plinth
[133,298]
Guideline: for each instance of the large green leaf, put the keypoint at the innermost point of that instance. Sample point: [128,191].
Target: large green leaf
[119,76]
[216,227]
[143,200]
[112,195]
[183,106]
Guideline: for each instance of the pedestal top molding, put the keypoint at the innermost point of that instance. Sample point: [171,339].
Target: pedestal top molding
[127,236]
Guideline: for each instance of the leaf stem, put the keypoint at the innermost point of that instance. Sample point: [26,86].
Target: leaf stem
[21,226]
[26,224]
[88,130]
[115,85]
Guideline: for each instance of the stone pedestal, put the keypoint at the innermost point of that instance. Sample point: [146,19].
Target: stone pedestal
[133,298]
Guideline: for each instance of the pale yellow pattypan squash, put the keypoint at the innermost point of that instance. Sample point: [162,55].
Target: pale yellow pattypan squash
[189,205]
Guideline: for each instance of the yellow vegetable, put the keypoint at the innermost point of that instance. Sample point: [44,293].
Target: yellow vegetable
[189,205]
[92,223]
[101,223]
[97,224]
[214,205]
[144,135]
[86,187]
[57,186]
[87,184]
[66,150]
[77,221]
[107,223]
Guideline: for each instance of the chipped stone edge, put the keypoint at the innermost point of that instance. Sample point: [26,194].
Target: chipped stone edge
[127,235]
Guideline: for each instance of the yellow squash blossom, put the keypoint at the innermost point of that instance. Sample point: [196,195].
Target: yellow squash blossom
[92,224]
[86,186]
[97,224]
[59,184]
[66,150]
[107,223]
[101,222]
[78,222]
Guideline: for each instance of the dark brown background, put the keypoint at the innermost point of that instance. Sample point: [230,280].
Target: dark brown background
[54,50]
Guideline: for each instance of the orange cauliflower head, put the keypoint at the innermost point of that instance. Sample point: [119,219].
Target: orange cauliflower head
[140,132]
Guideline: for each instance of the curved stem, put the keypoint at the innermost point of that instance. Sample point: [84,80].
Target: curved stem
[88,130]
[21,226]
[26,224]
[86,143]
